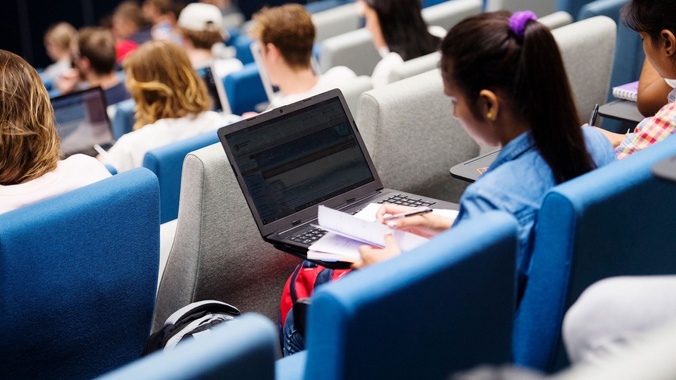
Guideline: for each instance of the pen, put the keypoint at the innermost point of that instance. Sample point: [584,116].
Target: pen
[594,114]
[101,151]
[418,211]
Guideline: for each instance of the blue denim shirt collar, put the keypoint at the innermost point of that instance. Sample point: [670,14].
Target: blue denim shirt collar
[518,146]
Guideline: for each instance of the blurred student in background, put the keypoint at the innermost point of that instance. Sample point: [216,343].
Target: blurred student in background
[162,14]
[285,36]
[172,103]
[130,28]
[399,33]
[57,42]
[94,57]
[30,158]
[201,28]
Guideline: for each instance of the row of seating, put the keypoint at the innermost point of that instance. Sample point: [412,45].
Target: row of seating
[387,320]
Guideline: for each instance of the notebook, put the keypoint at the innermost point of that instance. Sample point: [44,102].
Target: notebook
[81,121]
[628,91]
[292,159]
[215,88]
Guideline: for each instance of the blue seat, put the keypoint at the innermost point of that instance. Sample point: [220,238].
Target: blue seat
[78,275]
[323,5]
[571,6]
[242,43]
[445,306]
[244,348]
[124,119]
[616,220]
[245,89]
[167,163]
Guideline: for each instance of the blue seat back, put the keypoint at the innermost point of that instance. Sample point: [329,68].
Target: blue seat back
[616,220]
[167,163]
[445,306]
[78,275]
[241,349]
[245,89]
[123,121]
[571,6]
[242,43]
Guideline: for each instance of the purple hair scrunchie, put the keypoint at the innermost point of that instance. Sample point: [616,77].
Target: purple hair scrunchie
[517,23]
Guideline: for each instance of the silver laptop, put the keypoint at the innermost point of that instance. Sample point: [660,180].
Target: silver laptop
[81,121]
[292,159]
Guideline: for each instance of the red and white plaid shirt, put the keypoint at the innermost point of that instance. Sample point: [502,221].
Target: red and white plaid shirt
[650,130]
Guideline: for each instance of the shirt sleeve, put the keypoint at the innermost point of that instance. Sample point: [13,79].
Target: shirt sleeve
[649,131]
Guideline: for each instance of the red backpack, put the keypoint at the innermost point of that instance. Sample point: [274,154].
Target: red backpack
[302,283]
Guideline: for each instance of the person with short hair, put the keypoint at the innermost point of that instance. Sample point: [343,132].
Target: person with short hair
[286,36]
[30,157]
[172,103]
[201,28]
[94,58]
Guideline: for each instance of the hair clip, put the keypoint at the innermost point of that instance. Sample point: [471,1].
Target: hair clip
[518,21]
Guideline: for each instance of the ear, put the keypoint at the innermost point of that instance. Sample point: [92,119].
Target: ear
[489,104]
[272,51]
[668,42]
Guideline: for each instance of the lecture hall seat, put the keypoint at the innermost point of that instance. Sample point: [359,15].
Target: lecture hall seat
[78,276]
[615,220]
[445,306]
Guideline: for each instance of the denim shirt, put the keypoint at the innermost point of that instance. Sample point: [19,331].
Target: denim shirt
[517,181]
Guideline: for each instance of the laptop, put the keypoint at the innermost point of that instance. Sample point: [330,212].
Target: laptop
[292,159]
[215,87]
[471,170]
[81,121]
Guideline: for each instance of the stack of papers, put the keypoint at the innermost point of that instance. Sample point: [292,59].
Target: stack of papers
[346,233]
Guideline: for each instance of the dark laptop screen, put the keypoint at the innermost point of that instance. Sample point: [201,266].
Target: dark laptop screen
[209,79]
[299,159]
[81,121]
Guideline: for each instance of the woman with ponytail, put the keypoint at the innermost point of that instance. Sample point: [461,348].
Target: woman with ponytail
[506,80]
[172,103]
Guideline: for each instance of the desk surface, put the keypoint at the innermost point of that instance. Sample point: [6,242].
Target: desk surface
[621,110]
[471,170]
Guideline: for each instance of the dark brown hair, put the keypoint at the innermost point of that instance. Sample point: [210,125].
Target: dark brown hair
[482,52]
[403,28]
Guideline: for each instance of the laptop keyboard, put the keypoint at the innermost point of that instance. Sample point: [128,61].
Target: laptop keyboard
[309,237]
[406,201]
[312,235]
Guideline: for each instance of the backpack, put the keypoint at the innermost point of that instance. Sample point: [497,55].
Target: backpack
[302,283]
[188,323]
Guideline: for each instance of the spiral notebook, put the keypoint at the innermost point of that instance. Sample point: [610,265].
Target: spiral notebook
[628,91]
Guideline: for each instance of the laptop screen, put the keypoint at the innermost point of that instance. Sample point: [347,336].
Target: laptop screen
[299,159]
[215,89]
[81,121]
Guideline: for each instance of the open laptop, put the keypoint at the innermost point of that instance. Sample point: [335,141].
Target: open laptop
[290,160]
[81,121]
[215,88]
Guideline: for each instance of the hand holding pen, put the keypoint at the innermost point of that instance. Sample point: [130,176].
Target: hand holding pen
[418,220]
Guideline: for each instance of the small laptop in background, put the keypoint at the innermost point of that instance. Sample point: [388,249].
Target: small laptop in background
[292,159]
[81,121]
[215,88]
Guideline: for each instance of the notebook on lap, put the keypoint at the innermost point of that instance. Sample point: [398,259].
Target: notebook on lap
[81,121]
[290,160]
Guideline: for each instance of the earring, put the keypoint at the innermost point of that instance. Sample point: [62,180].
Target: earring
[490,115]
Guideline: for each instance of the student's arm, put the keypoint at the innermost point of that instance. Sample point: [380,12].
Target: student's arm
[614,138]
[652,90]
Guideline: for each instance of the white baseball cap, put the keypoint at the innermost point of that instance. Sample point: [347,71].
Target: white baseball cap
[200,17]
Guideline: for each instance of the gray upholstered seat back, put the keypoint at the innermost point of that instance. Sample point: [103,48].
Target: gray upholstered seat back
[587,48]
[218,252]
[410,132]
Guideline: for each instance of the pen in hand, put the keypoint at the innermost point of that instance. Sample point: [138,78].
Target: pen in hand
[417,211]
[594,114]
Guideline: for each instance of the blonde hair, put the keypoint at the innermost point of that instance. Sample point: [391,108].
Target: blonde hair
[29,144]
[290,28]
[163,83]
[60,35]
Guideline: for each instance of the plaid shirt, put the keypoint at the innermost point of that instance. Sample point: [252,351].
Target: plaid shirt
[650,130]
